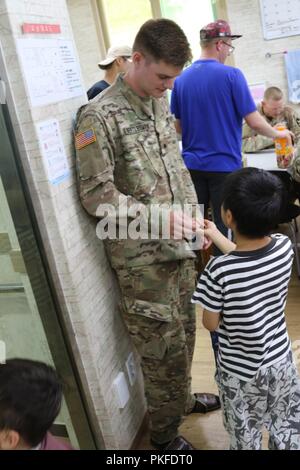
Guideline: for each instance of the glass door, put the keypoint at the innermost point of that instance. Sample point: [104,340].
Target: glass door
[30,324]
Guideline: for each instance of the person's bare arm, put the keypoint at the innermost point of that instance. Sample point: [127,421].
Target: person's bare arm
[211,232]
[259,125]
[210,320]
[178,126]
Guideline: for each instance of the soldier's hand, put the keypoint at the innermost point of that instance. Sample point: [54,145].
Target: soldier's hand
[183,226]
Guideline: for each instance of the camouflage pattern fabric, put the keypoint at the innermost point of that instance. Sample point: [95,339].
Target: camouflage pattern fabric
[135,157]
[160,318]
[271,400]
[253,142]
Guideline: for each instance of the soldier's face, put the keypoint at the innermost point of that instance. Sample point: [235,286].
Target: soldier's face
[154,78]
[273,108]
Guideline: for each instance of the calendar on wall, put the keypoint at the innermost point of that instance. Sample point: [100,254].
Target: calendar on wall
[280,18]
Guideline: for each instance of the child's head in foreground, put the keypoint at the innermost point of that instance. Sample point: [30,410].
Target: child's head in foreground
[30,400]
[255,199]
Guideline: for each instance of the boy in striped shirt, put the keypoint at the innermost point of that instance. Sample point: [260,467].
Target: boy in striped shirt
[243,294]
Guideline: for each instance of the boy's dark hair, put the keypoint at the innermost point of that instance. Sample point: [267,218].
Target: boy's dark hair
[163,39]
[256,199]
[30,398]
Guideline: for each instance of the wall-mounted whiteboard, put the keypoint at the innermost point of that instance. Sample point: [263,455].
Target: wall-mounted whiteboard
[280,18]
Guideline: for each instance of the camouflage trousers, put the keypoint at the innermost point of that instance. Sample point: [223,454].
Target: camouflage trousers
[272,400]
[160,318]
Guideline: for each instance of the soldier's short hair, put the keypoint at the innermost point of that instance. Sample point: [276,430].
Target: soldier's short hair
[273,93]
[162,39]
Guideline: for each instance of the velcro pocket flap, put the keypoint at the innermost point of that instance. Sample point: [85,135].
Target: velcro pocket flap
[153,310]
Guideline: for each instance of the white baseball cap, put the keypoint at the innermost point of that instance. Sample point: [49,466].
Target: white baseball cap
[114,52]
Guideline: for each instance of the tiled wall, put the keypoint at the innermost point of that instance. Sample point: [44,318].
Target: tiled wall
[83,279]
[244,17]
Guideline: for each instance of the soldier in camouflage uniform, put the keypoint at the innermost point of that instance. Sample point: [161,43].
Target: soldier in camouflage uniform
[273,109]
[127,154]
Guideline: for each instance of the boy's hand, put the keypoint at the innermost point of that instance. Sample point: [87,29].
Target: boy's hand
[211,232]
[210,229]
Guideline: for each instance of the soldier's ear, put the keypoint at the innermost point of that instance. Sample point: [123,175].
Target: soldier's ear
[137,58]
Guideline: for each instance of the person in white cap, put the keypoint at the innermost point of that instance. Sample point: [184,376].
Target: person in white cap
[117,60]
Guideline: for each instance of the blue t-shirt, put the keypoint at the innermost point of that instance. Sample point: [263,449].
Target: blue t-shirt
[211,99]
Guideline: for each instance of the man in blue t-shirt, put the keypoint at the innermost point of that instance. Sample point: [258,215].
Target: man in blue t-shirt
[210,101]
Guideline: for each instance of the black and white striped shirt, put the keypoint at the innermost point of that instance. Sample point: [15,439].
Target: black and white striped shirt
[249,289]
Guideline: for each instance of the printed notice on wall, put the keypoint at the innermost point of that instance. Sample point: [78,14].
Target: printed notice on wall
[280,19]
[51,70]
[53,151]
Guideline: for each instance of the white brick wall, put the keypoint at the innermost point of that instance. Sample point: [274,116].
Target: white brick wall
[90,51]
[244,18]
[84,282]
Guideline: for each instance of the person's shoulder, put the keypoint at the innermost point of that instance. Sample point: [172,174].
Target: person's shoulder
[291,112]
[282,242]
[185,73]
[104,104]
[111,94]
[229,73]
[53,443]
[233,71]
[280,238]
[217,262]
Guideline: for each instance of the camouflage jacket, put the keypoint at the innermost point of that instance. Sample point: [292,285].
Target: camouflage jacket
[132,157]
[253,142]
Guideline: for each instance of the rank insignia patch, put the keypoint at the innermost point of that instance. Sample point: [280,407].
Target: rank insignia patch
[84,138]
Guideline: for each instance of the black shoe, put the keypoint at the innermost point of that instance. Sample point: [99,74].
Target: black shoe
[205,402]
[179,443]
[159,446]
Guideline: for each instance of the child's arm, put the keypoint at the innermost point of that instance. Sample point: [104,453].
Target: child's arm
[210,320]
[211,231]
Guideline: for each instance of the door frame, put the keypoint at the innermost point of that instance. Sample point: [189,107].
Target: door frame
[37,267]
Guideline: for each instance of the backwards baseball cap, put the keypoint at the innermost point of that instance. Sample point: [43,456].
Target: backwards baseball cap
[114,52]
[217,29]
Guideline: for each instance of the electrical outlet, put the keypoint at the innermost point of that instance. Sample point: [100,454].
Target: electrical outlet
[131,368]
[121,389]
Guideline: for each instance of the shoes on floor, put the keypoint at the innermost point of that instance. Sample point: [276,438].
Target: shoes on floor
[206,402]
[179,443]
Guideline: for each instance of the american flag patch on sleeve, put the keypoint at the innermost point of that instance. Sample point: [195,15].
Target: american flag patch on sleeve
[84,138]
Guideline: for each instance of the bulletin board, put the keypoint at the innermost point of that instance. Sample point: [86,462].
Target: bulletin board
[280,18]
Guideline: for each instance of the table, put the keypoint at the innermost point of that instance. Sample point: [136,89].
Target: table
[265,159]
